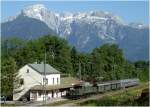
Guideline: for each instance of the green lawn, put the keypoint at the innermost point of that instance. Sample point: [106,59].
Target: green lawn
[126,98]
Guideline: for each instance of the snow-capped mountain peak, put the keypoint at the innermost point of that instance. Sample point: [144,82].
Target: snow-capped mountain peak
[64,23]
[35,7]
[35,11]
[84,30]
[40,12]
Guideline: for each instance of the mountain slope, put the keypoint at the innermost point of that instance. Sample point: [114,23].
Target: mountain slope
[25,27]
[84,30]
[136,43]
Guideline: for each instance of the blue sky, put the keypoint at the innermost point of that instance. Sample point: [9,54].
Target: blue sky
[129,11]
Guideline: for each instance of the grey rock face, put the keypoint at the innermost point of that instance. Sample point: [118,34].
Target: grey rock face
[84,30]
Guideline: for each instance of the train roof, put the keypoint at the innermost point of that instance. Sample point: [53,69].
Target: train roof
[109,82]
[126,80]
[87,84]
[117,81]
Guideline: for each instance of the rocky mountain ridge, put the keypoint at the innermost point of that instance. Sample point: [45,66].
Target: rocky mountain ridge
[84,30]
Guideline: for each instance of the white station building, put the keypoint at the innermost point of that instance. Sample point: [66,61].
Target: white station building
[31,83]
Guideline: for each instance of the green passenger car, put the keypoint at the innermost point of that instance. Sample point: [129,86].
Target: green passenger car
[94,90]
[107,86]
[79,92]
[100,87]
[118,85]
[87,88]
[114,86]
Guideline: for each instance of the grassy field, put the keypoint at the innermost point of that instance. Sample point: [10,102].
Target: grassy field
[126,98]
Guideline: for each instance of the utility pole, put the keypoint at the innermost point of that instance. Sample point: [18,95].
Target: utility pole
[45,76]
[80,70]
[53,56]
[52,53]
[84,70]
[44,80]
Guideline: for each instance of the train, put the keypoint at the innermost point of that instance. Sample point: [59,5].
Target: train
[87,89]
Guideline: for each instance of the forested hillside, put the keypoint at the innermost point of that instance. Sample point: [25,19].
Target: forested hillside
[103,63]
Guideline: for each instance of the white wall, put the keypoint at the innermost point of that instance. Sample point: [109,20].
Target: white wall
[48,97]
[39,97]
[32,78]
[50,79]
[63,93]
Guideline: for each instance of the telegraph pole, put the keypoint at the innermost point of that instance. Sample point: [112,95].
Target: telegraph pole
[52,53]
[43,90]
[84,71]
[80,70]
[45,76]
[44,80]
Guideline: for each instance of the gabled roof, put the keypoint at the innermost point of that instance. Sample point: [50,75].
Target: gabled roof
[40,68]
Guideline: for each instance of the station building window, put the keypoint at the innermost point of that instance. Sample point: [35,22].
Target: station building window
[27,70]
[21,81]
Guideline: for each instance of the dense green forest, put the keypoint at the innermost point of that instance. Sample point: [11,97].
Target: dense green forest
[103,63]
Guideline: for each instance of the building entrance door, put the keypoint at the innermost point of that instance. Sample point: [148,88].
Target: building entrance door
[52,94]
[33,96]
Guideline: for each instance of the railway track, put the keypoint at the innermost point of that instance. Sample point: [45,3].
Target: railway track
[92,97]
